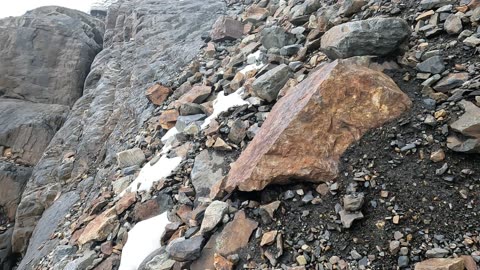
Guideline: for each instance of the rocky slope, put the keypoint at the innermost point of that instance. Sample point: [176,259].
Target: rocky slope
[296,135]
[110,111]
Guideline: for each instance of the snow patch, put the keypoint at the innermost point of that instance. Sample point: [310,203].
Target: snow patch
[150,174]
[251,67]
[222,103]
[143,239]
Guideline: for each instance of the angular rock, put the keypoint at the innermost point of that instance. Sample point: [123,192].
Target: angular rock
[348,218]
[377,36]
[234,236]
[184,250]
[238,131]
[350,7]
[433,65]
[158,93]
[168,119]
[436,253]
[207,171]
[451,81]
[213,215]
[191,109]
[226,28]
[221,263]
[269,84]
[268,238]
[158,260]
[472,41]
[469,126]
[429,4]
[99,228]
[184,121]
[255,14]
[197,94]
[453,24]
[353,202]
[125,202]
[83,262]
[276,37]
[469,123]
[130,157]
[326,106]
[441,264]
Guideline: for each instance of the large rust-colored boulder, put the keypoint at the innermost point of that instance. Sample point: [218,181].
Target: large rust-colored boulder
[309,129]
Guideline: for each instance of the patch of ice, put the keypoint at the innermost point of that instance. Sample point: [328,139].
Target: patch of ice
[222,103]
[143,239]
[169,135]
[251,67]
[151,174]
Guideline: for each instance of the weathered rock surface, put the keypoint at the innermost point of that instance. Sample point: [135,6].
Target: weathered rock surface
[27,127]
[12,180]
[269,84]
[325,106]
[377,36]
[207,171]
[113,104]
[46,54]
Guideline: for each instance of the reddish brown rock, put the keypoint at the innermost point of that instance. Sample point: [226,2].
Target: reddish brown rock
[125,202]
[441,264]
[110,263]
[99,228]
[469,263]
[106,248]
[255,14]
[197,94]
[226,28]
[308,130]
[168,119]
[230,240]
[146,210]
[157,94]
[221,263]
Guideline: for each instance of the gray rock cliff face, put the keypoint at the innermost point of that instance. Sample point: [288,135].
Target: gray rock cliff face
[144,42]
[45,56]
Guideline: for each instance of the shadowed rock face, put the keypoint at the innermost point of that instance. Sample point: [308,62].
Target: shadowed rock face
[308,130]
[145,42]
[27,127]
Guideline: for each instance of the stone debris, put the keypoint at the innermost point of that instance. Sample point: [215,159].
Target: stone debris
[351,161]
